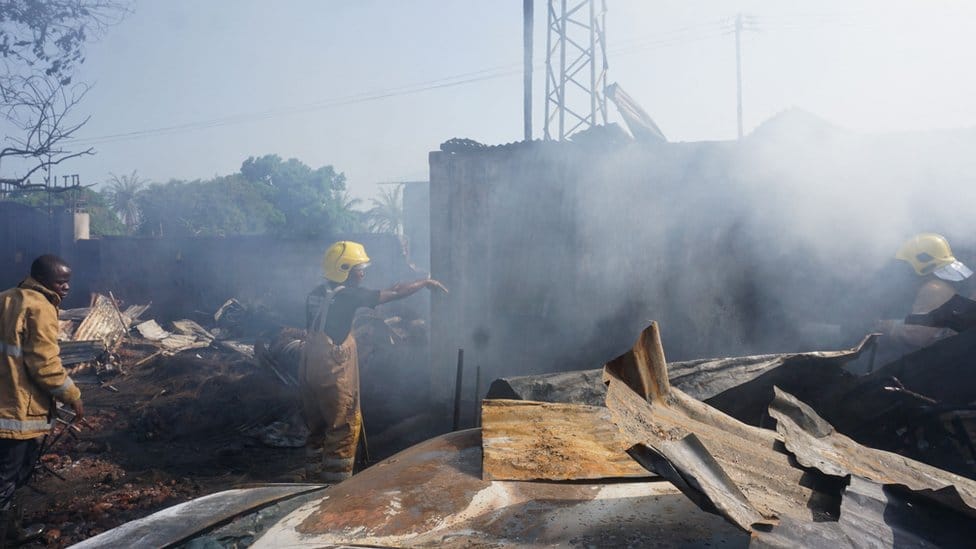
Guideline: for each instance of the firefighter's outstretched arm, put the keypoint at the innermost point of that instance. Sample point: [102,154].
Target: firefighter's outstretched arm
[406,289]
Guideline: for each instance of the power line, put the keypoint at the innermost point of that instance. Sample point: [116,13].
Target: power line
[690,33]
[347,100]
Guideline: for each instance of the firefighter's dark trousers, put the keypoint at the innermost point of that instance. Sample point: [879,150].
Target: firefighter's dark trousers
[17,458]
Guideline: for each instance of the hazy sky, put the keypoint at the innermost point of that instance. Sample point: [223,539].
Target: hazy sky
[188,89]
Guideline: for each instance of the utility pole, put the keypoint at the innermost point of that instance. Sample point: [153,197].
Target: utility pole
[527,25]
[738,70]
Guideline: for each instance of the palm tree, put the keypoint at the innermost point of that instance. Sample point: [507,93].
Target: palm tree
[347,218]
[386,215]
[121,197]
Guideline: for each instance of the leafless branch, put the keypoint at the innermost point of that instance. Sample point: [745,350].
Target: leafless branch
[39,108]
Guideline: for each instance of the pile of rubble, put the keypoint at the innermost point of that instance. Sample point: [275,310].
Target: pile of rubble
[90,337]
[638,453]
[773,451]
[173,410]
[630,455]
[177,409]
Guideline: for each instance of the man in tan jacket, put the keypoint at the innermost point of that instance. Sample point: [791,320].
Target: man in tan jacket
[31,374]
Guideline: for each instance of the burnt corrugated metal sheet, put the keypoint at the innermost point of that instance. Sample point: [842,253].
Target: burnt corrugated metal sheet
[816,444]
[702,379]
[872,515]
[76,352]
[771,485]
[752,476]
[433,495]
[726,473]
[105,322]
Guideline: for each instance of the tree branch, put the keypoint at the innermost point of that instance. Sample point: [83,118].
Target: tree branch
[39,107]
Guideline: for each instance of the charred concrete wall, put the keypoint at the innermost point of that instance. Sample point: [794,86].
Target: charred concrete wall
[557,254]
[25,233]
[186,276]
[547,272]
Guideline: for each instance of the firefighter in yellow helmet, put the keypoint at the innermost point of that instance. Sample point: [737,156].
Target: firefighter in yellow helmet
[939,276]
[329,368]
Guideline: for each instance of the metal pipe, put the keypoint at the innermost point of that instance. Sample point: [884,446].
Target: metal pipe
[477,396]
[528,21]
[457,389]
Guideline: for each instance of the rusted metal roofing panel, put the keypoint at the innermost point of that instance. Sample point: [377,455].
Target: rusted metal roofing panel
[540,440]
[433,495]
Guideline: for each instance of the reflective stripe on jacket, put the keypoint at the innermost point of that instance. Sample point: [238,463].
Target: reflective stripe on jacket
[31,374]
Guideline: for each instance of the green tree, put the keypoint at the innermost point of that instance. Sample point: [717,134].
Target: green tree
[347,218]
[219,207]
[122,195]
[313,202]
[269,195]
[386,215]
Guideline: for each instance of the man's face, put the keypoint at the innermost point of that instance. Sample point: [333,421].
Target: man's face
[59,281]
[356,275]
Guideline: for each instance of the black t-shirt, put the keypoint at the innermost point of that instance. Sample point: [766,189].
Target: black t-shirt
[338,323]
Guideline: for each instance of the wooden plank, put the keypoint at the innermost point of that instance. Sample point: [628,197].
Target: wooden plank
[525,440]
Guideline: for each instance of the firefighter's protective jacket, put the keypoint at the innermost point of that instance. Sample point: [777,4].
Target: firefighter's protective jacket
[31,374]
[930,296]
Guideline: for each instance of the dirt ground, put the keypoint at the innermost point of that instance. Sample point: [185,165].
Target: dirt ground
[166,432]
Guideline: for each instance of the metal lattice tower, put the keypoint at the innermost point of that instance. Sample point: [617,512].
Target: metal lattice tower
[576,67]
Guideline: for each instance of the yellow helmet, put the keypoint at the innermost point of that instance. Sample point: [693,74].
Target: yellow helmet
[341,257]
[929,253]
